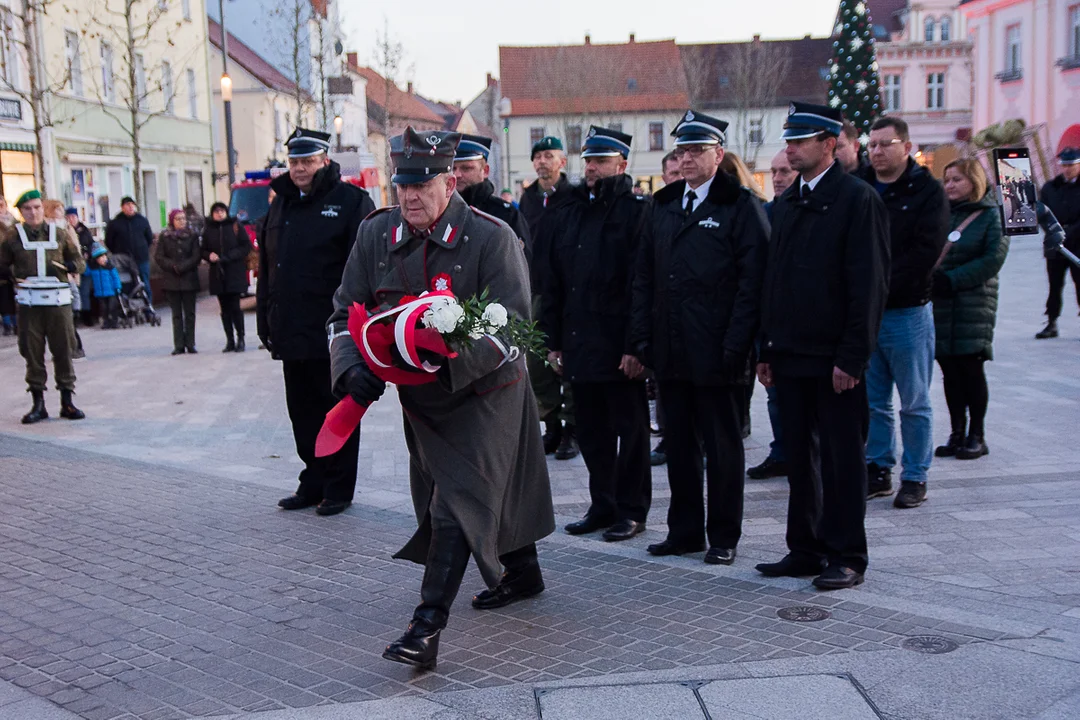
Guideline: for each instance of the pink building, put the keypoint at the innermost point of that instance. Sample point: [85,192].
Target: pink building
[1027,64]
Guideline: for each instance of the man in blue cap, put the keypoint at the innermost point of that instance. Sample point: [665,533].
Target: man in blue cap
[585,313]
[1062,196]
[472,172]
[825,288]
[304,242]
[697,299]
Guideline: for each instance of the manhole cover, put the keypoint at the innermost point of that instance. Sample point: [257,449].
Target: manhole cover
[803,613]
[929,644]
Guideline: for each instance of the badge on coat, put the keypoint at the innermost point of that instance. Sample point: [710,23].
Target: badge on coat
[331,210]
[709,223]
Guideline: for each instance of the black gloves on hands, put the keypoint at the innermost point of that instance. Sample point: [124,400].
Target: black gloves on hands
[70,265]
[364,386]
[941,286]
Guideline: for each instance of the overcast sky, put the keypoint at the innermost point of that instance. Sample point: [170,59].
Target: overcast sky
[451,53]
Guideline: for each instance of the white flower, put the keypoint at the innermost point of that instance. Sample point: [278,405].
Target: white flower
[495,316]
[443,315]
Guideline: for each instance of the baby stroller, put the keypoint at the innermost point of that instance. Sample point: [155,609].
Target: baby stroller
[135,308]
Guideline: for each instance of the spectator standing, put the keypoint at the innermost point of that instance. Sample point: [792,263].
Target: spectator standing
[825,291]
[849,149]
[86,244]
[904,357]
[965,296]
[226,246]
[56,215]
[178,256]
[129,233]
[1062,196]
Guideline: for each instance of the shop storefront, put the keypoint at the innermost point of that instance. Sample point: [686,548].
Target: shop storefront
[16,170]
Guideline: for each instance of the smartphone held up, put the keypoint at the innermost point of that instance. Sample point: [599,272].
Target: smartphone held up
[1016,190]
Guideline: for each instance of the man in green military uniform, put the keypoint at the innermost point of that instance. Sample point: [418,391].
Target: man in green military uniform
[38,261]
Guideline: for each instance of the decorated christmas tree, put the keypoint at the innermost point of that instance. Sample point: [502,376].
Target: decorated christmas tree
[853,72]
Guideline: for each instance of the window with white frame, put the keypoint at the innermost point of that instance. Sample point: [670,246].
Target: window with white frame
[141,96]
[928,29]
[74,62]
[573,139]
[167,87]
[9,56]
[756,131]
[935,91]
[892,93]
[1074,31]
[946,29]
[536,134]
[108,79]
[192,94]
[656,136]
[1012,49]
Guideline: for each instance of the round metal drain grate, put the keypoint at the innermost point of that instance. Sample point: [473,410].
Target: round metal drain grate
[929,644]
[803,613]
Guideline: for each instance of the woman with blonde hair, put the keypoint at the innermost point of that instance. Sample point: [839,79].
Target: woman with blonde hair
[965,296]
[733,165]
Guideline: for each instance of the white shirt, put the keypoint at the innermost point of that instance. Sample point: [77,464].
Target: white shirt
[700,192]
[812,182]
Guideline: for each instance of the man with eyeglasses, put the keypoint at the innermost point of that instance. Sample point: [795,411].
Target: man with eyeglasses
[904,358]
[825,289]
[305,240]
[697,295]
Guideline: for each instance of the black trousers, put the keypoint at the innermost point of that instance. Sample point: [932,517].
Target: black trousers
[825,442]
[308,397]
[1056,267]
[613,434]
[182,303]
[964,377]
[232,317]
[708,418]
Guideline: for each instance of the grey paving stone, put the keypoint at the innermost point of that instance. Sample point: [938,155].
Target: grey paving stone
[827,697]
[615,702]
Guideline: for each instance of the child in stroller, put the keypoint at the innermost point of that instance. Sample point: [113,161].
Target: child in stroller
[135,304]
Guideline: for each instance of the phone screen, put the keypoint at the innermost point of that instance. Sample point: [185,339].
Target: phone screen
[1016,191]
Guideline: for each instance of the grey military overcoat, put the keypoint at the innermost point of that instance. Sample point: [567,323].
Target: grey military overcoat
[475,433]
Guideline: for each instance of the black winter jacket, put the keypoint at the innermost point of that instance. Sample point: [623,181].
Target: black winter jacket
[827,277]
[586,295]
[177,255]
[538,214]
[231,243]
[1063,199]
[304,244]
[482,197]
[697,291]
[130,236]
[919,217]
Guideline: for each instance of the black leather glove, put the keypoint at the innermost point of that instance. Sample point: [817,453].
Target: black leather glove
[364,386]
[643,352]
[733,365]
[70,265]
[941,286]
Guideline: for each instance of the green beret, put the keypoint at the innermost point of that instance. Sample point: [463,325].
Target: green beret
[28,196]
[546,143]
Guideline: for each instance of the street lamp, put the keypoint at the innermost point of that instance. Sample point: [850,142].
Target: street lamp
[504,112]
[339,123]
[226,95]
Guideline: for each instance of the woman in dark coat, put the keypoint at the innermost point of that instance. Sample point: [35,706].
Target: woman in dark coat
[178,256]
[225,245]
[965,295]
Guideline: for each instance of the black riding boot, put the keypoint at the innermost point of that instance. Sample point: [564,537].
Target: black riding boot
[230,343]
[67,407]
[446,562]
[37,412]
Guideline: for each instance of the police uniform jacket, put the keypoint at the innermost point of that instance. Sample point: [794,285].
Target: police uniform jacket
[482,197]
[305,242]
[474,433]
[1063,199]
[585,306]
[827,277]
[698,286]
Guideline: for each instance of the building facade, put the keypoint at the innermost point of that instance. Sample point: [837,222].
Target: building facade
[18,159]
[1027,65]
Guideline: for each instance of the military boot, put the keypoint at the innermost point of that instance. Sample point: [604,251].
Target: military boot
[1050,331]
[67,407]
[568,447]
[37,412]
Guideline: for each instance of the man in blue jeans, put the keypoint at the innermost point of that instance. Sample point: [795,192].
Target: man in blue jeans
[904,358]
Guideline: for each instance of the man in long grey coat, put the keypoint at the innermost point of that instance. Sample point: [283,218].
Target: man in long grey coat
[478,476]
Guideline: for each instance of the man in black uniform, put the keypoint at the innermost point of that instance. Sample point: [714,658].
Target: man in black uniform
[306,238]
[585,313]
[539,202]
[825,288]
[696,302]
[1062,196]
[471,170]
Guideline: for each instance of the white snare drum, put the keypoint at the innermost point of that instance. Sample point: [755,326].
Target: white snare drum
[43,292]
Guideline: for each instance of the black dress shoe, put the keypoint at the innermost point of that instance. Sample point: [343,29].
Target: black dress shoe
[588,524]
[720,556]
[791,566]
[670,547]
[332,507]
[838,577]
[513,586]
[296,502]
[623,530]
[419,646]
[192,351]
[770,468]
[177,351]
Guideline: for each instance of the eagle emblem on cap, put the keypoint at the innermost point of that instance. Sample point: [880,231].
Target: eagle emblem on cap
[407,151]
[791,109]
[433,141]
[592,132]
[689,115]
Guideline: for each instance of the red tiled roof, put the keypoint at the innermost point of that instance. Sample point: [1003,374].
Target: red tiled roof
[567,79]
[251,61]
[406,108]
[708,65]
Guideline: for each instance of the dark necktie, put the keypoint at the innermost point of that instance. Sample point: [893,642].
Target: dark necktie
[690,198]
[806,190]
